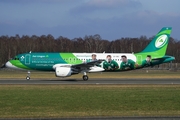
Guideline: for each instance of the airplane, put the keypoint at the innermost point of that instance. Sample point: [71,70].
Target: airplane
[67,64]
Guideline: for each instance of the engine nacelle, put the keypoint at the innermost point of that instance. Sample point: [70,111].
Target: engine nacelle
[63,71]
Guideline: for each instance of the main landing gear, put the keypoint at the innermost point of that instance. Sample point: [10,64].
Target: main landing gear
[85,77]
[28,75]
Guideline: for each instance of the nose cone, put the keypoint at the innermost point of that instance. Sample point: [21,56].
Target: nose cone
[9,65]
[14,65]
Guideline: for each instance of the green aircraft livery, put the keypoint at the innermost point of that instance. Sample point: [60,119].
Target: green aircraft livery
[67,64]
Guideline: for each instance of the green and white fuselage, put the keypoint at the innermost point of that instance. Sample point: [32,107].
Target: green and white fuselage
[49,61]
[66,64]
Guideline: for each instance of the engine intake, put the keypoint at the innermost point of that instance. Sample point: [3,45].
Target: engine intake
[63,71]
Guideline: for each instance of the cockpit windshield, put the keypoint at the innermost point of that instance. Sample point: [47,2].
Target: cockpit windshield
[15,58]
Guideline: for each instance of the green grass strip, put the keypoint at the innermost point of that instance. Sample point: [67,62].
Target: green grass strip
[40,101]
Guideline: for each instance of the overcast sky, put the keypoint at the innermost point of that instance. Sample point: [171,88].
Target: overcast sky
[111,19]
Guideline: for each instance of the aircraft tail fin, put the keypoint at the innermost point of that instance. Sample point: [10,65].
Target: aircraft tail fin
[159,44]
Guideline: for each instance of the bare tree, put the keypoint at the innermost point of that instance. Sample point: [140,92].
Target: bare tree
[13,45]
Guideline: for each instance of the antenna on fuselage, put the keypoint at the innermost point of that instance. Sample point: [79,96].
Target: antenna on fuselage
[29,51]
[103,52]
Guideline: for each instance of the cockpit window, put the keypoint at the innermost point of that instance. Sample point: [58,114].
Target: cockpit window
[16,58]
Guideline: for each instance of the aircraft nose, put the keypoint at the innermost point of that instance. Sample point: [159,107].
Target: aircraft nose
[8,64]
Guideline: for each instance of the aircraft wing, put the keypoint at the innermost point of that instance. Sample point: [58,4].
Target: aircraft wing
[87,64]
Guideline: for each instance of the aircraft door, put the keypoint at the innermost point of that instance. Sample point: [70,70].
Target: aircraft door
[139,59]
[27,59]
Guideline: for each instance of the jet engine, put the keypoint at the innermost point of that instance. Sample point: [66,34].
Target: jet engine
[63,71]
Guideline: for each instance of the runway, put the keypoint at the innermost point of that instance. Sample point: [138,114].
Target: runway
[92,81]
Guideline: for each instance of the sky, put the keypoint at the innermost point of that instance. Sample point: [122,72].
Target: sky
[111,19]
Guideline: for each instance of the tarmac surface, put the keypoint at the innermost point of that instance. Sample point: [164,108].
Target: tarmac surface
[91,81]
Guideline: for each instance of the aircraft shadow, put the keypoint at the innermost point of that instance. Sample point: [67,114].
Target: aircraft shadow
[70,80]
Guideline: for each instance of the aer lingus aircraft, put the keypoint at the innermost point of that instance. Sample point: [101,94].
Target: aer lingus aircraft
[67,64]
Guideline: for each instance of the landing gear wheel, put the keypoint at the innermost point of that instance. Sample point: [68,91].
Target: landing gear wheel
[85,77]
[28,78]
[28,75]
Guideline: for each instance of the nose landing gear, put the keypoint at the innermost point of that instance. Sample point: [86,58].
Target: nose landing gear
[28,75]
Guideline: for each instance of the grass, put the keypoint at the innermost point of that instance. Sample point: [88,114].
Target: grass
[129,74]
[52,101]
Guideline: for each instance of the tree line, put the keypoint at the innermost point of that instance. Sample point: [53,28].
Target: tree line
[13,45]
